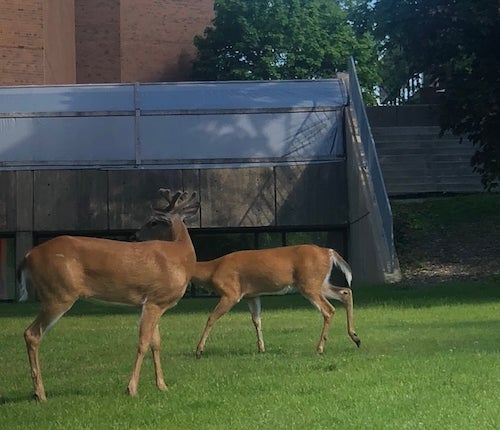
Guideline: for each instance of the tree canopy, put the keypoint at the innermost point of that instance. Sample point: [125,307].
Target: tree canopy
[456,44]
[283,39]
[452,42]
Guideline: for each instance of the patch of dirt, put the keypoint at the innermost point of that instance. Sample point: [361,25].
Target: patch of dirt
[464,252]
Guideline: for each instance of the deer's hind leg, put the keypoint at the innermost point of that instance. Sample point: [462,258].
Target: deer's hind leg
[255,309]
[47,317]
[155,350]
[327,310]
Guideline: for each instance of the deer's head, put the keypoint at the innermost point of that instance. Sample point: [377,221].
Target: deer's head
[168,210]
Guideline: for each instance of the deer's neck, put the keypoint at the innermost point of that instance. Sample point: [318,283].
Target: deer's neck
[181,236]
[179,232]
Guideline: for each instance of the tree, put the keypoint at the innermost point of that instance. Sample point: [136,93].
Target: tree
[454,43]
[283,39]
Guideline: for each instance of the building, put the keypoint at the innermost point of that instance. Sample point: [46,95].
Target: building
[47,42]
[88,159]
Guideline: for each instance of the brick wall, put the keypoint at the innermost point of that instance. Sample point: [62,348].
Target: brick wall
[99,41]
[21,42]
[36,42]
[157,37]
[97,36]
[59,38]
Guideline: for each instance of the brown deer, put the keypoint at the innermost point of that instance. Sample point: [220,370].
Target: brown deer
[252,273]
[153,275]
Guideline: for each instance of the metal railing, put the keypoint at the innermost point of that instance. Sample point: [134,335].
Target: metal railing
[406,92]
[372,163]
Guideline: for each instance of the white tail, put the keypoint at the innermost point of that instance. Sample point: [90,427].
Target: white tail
[153,275]
[22,294]
[339,262]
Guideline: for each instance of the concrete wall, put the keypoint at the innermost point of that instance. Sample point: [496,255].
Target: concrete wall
[368,254]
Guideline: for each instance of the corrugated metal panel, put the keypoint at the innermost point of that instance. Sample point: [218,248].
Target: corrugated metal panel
[170,124]
[66,98]
[243,95]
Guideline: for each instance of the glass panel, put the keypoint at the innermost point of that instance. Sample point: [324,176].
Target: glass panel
[269,240]
[327,239]
[210,246]
[311,237]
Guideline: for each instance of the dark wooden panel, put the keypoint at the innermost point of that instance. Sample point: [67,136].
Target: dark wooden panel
[70,200]
[24,200]
[7,201]
[131,193]
[312,195]
[237,197]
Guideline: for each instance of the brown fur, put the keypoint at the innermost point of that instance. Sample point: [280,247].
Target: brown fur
[153,275]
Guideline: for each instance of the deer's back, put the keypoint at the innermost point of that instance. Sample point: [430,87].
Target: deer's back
[108,269]
[272,270]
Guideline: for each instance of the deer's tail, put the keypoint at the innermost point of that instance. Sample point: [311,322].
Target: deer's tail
[340,263]
[22,290]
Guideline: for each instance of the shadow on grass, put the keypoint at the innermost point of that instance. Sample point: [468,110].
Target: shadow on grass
[401,295]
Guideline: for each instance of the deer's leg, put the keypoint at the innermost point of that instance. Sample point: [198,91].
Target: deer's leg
[33,336]
[344,295]
[225,304]
[149,319]
[327,310]
[255,308]
[155,350]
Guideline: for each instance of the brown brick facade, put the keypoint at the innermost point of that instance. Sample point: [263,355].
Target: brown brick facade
[97,34]
[21,42]
[98,41]
[157,37]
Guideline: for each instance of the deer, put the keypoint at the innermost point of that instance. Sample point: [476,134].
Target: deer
[152,275]
[249,274]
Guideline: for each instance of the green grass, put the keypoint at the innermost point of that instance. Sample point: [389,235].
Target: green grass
[429,359]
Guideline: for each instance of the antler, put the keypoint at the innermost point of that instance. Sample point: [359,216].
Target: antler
[168,202]
[180,202]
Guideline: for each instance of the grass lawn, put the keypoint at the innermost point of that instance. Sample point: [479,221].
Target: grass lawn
[429,359]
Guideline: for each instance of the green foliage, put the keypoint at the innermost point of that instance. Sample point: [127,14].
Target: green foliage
[429,359]
[283,39]
[452,43]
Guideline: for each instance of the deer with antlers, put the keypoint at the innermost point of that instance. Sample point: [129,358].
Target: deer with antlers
[153,275]
[252,273]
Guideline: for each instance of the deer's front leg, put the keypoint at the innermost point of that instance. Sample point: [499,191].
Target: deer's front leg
[149,320]
[225,304]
